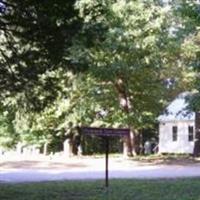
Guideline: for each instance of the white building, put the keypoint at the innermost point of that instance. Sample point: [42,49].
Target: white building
[177,127]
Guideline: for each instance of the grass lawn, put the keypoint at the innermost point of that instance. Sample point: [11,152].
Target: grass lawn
[180,189]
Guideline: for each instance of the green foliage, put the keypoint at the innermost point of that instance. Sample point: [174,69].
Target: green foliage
[132,47]
[8,135]
[188,11]
[75,63]
[35,41]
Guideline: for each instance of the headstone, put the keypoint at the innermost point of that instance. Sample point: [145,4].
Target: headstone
[19,148]
[25,150]
[80,150]
[147,147]
[1,151]
[67,147]
[35,150]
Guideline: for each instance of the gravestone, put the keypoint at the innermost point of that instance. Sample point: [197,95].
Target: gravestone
[67,147]
[19,148]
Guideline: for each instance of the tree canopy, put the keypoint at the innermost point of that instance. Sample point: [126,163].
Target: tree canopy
[102,63]
[35,42]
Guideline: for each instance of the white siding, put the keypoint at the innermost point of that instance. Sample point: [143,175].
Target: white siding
[182,145]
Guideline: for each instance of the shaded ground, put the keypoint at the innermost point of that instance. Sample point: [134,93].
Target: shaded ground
[67,163]
[27,164]
[123,189]
[167,160]
[42,168]
[116,161]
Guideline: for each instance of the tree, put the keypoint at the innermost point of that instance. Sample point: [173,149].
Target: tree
[8,136]
[35,41]
[189,12]
[66,64]
[128,59]
[34,58]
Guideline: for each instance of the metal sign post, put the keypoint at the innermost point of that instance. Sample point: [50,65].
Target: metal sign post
[106,161]
[106,133]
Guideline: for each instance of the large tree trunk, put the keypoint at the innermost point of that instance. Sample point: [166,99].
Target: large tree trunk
[197,135]
[127,146]
[136,141]
[129,142]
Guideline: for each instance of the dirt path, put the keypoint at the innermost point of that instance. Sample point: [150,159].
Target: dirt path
[46,169]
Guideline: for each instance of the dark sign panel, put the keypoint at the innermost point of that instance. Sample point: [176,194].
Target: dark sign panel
[105,131]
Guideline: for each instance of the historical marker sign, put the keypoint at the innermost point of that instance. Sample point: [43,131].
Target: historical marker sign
[106,133]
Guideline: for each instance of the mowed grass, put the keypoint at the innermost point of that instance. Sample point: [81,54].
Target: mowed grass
[180,189]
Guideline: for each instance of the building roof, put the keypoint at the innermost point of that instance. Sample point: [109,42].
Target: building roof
[178,109]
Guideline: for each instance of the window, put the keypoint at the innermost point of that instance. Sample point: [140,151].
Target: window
[190,133]
[174,133]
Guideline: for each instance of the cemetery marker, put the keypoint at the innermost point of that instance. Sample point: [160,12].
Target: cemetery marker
[106,133]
